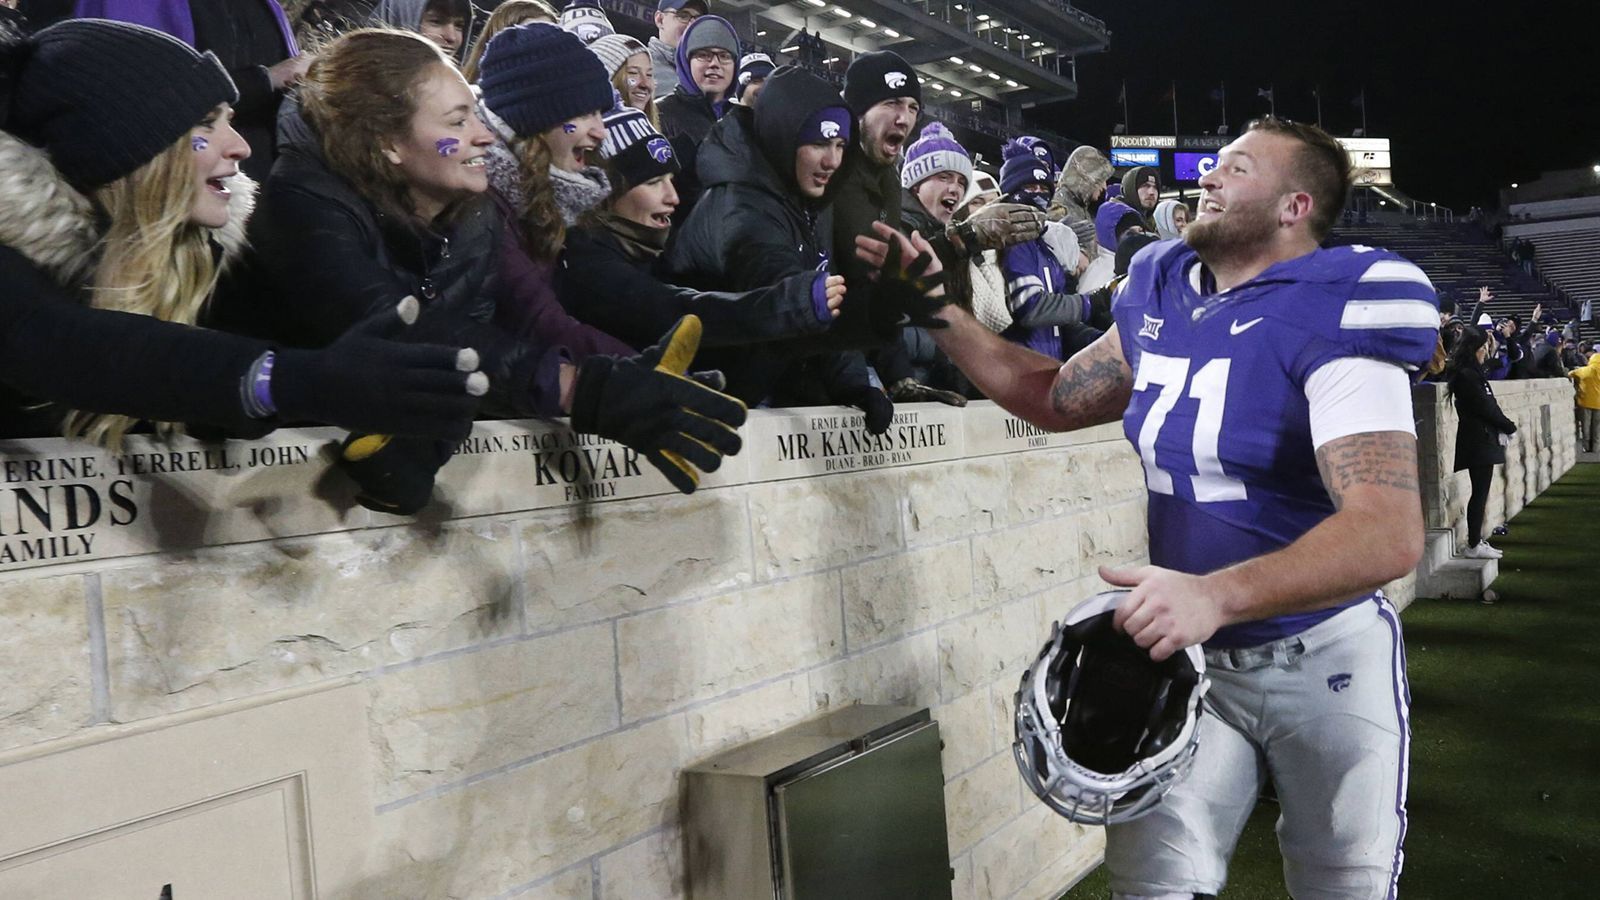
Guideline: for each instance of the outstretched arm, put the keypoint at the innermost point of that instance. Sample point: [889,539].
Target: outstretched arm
[1090,389]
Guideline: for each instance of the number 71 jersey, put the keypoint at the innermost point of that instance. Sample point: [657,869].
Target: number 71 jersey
[1219,413]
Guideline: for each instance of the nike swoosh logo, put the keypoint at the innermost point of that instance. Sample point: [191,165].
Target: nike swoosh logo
[1236,328]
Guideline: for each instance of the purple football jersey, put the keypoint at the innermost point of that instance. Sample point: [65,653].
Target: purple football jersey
[1219,412]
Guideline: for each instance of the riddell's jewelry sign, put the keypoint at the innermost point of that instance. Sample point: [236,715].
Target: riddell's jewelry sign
[64,502]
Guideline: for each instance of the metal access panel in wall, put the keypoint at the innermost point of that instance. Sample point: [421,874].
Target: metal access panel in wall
[849,806]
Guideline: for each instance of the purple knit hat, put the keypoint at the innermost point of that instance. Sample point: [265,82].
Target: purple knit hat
[935,151]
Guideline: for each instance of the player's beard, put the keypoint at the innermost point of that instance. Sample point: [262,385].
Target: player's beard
[1240,232]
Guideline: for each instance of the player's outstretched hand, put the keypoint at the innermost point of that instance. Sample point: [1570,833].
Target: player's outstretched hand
[1166,611]
[680,422]
[909,275]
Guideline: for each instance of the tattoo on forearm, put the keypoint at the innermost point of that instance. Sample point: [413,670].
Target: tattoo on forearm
[1093,387]
[1375,458]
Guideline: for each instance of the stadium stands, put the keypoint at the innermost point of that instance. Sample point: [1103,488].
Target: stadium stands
[1460,258]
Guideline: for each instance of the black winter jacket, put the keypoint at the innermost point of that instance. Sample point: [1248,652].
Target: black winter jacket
[53,347]
[326,259]
[752,229]
[1480,421]
[600,286]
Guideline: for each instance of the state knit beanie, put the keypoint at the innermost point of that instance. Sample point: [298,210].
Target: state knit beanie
[104,98]
[536,76]
[1024,168]
[935,150]
[878,76]
[614,51]
[634,150]
[587,20]
[754,67]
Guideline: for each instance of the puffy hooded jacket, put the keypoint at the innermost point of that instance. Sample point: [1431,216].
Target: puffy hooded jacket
[752,227]
[1082,179]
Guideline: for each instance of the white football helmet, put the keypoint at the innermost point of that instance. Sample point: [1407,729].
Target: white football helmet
[1103,732]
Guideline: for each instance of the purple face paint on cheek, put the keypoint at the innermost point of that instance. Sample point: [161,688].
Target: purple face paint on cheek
[447,146]
[569,128]
[198,143]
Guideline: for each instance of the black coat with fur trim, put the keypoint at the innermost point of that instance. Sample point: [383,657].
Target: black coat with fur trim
[54,347]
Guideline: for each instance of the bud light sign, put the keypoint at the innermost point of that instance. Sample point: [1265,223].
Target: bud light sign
[1192,166]
[1138,156]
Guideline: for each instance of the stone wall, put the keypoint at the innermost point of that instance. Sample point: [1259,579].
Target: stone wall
[496,700]
[217,667]
[1543,449]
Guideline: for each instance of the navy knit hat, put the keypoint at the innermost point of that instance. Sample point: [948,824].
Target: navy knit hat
[878,76]
[1024,168]
[104,98]
[536,76]
[935,150]
[634,150]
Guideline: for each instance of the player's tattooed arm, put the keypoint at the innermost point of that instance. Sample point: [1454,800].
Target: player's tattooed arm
[1093,387]
[1374,459]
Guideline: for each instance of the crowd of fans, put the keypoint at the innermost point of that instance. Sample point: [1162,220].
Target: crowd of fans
[394,217]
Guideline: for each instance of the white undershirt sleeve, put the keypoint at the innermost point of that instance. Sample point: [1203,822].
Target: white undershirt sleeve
[1356,394]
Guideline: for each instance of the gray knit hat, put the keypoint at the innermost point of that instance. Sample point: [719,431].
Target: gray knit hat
[614,51]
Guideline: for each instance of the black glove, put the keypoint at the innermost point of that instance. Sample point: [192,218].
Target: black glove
[678,423]
[367,383]
[395,474]
[1100,308]
[876,404]
[900,297]
[909,390]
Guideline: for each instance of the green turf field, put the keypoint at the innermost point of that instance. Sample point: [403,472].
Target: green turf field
[1505,777]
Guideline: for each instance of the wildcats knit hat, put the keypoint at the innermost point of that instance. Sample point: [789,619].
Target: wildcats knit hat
[754,67]
[935,151]
[1024,168]
[103,98]
[536,76]
[634,150]
[587,20]
[875,77]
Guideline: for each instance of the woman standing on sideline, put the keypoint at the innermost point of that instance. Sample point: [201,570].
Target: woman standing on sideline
[1482,432]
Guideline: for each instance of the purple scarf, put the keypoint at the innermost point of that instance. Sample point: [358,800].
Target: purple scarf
[170,16]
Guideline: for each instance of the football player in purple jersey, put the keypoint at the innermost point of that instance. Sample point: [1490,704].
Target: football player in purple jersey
[1263,381]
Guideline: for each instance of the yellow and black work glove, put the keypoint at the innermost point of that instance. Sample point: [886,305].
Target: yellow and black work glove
[393,474]
[647,402]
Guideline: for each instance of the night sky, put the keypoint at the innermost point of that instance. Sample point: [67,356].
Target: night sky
[1474,96]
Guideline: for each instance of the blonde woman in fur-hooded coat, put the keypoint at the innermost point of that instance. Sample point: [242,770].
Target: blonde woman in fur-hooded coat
[121,203]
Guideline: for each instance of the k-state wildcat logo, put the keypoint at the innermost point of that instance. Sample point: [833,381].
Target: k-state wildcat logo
[830,130]
[895,80]
[660,150]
